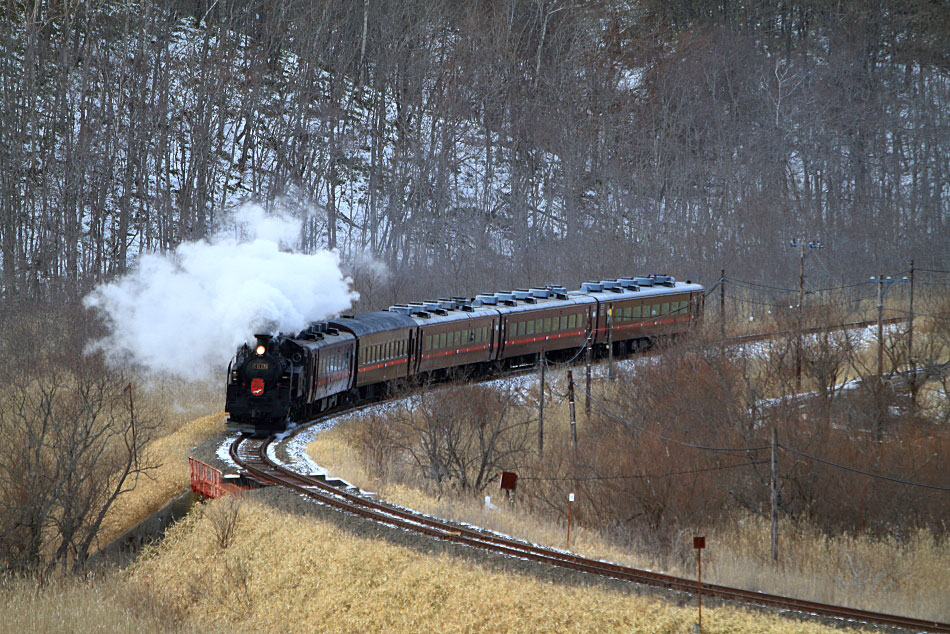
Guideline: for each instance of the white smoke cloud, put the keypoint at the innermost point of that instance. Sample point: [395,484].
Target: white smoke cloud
[185,312]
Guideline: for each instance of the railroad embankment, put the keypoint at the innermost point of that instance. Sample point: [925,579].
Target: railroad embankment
[288,565]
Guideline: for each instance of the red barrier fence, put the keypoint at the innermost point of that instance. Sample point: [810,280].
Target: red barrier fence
[207,481]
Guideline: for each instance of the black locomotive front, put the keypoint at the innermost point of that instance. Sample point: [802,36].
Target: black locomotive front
[259,388]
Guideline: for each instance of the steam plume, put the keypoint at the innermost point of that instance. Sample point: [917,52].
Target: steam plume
[185,312]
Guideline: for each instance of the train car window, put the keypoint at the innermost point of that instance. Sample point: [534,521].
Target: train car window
[530,327]
[547,324]
[654,309]
[442,339]
[478,335]
[665,309]
[572,321]
[485,334]
[563,322]
[538,326]
[627,313]
[636,312]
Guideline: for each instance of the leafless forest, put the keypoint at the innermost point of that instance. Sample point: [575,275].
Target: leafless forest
[441,138]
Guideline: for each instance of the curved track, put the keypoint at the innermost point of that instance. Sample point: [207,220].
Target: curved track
[251,454]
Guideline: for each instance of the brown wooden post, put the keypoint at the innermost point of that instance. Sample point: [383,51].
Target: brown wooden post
[773,515]
[542,365]
[801,301]
[910,342]
[590,353]
[699,543]
[879,426]
[722,305]
[570,394]
[610,342]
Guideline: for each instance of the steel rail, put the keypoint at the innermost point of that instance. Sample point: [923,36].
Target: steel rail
[257,463]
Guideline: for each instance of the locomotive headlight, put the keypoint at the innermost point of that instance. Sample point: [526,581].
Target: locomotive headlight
[260,351]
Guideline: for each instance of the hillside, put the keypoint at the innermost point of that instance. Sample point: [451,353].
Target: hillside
[438,137]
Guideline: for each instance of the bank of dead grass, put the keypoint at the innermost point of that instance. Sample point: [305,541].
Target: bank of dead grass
[908,576]
[156,488]
[104,604]
[287,573]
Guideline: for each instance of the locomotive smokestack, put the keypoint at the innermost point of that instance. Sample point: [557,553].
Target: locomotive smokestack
[262,344]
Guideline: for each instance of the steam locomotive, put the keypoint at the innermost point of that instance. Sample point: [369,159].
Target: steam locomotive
[286,378]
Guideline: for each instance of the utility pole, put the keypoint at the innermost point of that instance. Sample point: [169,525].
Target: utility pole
[883,286]
[570,395]
[590,354]
[773,516]
[542,365]
[722,306]
[910,342]
[801,244]
[610,342]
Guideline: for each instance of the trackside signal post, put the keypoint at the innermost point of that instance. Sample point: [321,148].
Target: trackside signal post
[699,543]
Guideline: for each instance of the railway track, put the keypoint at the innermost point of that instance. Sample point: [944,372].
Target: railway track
[252,455]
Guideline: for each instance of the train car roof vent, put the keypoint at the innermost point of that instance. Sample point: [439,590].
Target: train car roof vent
[665,280]
[506,297]
[643,281]
[592,287]
[541,293]
[611,285]
[434,307]
[628,283]
[448,304]
[485,300]
[400,309]
[524,295]
[557,288]
[332,331]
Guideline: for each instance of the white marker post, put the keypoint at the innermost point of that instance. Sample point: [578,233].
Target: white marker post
[570,502]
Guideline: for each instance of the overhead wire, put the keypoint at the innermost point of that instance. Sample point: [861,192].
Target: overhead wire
[866,473]
[621,419]
[643,476]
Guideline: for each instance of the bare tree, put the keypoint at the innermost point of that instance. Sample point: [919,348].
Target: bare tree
[462,435]
[69,447]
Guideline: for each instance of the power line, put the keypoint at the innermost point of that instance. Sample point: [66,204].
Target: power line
[736,280]
[624,421]
[867,473]
[747,449]
[643,475]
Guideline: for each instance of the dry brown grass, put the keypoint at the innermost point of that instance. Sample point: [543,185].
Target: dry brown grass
[884,574]
[153,491]
[287,573]
[105,604]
